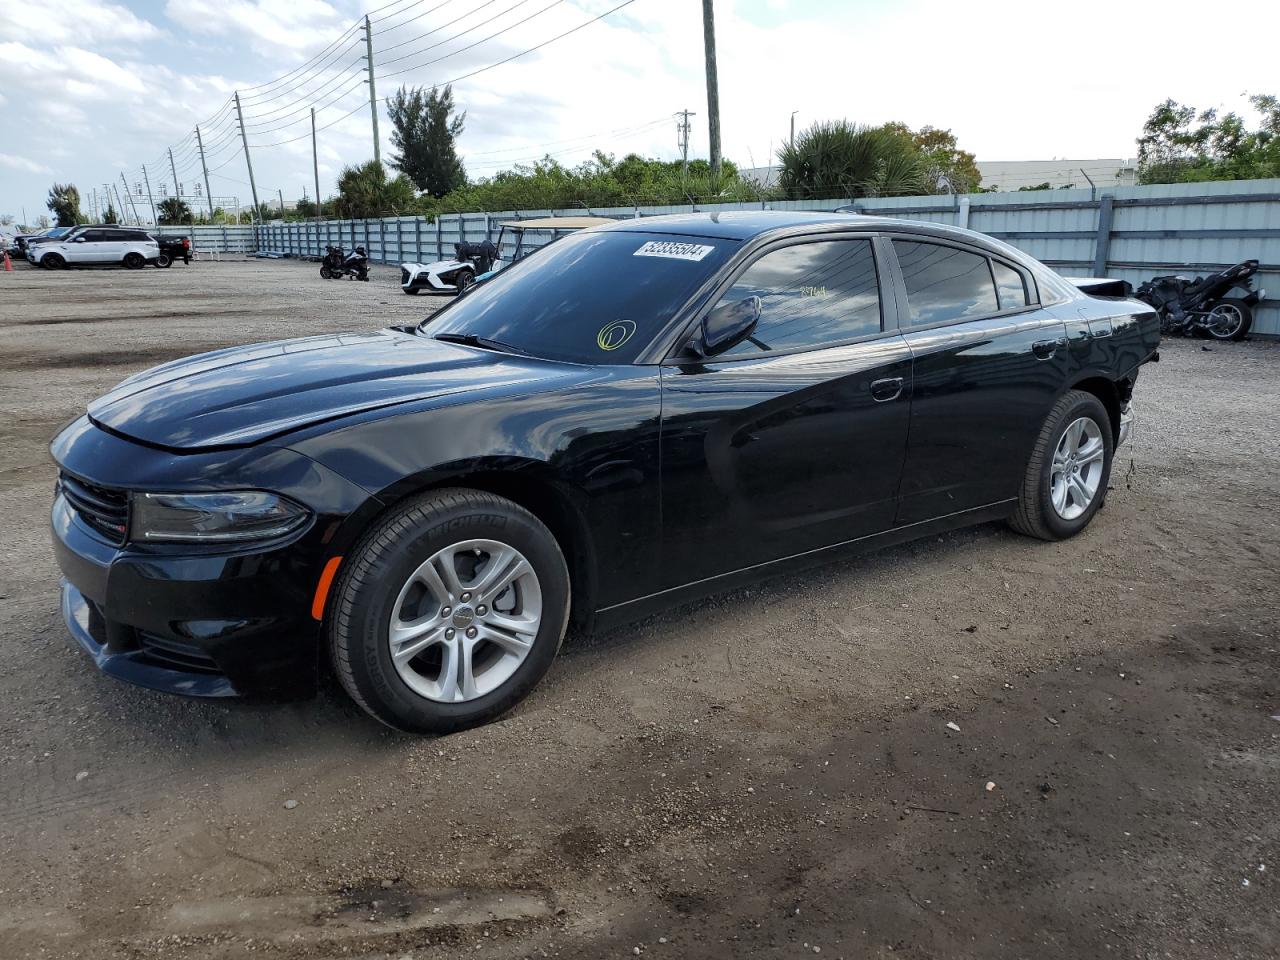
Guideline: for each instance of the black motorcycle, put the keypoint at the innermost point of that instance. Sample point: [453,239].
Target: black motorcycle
[1188,306]
[335,265]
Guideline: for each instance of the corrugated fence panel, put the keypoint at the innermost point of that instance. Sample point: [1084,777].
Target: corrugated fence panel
[1188,228]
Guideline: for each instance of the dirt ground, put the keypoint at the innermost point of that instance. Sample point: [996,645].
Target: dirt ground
[766,774]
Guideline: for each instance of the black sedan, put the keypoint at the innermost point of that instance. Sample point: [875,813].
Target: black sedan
[645,413]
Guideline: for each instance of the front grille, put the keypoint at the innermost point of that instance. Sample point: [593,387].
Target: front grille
[176,654]
[103,509]
[404,276]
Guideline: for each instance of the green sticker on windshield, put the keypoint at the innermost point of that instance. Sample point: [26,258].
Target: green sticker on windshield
[613,335]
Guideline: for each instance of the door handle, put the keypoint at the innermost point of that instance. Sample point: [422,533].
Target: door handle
[1045,349]
[887,389]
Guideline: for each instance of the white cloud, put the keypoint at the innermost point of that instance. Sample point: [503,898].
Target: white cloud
[287,29]
[74,21]
[22,163]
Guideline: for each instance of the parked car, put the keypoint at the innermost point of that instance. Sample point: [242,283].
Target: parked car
[472,261]
[172,247]
[25,241]
[97,245]
[641,414]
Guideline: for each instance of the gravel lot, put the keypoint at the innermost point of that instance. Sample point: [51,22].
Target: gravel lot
[766,774]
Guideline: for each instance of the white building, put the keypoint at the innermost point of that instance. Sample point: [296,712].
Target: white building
[1009,175]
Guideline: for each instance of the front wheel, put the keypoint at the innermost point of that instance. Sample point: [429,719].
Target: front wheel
[164,260]
[325,272]
[411,291]
[1066,479]
[1228,320]
[448,612]
[53,261]
[464,281]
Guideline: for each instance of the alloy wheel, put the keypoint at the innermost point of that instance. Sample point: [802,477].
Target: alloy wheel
[1076,472]
[465,621]
[1224,321]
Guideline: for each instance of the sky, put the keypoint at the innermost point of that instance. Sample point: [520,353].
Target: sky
[91,89]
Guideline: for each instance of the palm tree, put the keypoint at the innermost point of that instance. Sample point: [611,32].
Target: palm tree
[843,159]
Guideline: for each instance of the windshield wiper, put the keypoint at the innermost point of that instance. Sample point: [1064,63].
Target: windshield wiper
[475,340]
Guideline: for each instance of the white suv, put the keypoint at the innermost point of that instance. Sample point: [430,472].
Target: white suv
[132,248]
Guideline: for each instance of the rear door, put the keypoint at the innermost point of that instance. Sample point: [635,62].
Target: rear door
[989,362]
[794,439]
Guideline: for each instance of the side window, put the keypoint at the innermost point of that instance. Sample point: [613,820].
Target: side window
[944,283]
[119,235]
[93,236]
[813,295]
[1013,294]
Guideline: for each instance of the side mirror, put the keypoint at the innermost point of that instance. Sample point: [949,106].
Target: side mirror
[726,326]
[78,240]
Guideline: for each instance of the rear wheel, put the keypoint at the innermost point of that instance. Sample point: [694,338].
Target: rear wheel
[448,612]
[53,261]
[135,260]
[164,260]
[1066,479]
[1228,320]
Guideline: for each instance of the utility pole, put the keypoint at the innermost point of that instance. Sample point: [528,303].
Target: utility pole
[373,93]
[150,198]
[793,128]
[177,188]
[205,170]
[713,86]
[244,138]
[93,206]
[121,216]
[280,193]
[682,128]
[315,162]
[132,206]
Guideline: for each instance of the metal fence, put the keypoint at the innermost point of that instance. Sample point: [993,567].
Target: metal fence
[1130,233]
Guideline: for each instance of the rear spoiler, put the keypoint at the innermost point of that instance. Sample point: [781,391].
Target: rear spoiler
[1101,286]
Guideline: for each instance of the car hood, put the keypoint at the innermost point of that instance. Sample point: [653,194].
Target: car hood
[244,395]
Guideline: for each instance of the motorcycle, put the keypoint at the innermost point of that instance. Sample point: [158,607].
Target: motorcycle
[1190,306]
[337,265]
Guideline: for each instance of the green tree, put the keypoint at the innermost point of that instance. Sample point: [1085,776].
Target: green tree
[425,135]
[110,215]
[64,203]
[365,191]
[1182,144]
[6,219]
[174,210]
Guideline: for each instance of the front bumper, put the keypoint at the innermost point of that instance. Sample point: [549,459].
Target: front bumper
[235,624]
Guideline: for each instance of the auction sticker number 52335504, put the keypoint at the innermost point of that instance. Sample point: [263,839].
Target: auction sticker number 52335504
[673,250]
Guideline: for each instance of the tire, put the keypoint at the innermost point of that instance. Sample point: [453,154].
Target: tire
[134,260]
[53,261]
[411,291]
[464,281]
[1233,319]
[325,272]
[1039,512]
[164,260]
[383,579]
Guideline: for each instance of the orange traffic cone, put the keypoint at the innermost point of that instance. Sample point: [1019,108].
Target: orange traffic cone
[8,265]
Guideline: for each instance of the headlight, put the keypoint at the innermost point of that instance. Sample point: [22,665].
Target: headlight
[222,517]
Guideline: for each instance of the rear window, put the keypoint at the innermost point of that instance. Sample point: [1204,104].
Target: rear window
[589,297]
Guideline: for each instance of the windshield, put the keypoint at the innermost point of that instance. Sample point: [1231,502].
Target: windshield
[57,232]
[587,298]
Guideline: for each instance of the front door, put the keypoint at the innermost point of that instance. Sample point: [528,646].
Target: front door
[793,439]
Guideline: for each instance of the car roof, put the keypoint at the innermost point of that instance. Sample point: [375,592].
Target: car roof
[558,223]
[747,224]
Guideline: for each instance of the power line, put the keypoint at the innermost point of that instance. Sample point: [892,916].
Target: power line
[447,23]
[406,56]
[396,26]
